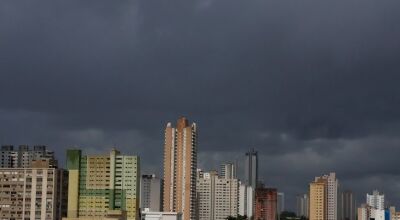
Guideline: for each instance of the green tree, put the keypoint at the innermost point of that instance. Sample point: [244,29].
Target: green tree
[239,217]
[285,215]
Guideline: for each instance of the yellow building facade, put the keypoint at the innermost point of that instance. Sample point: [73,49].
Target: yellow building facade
[318,194]
[103,187]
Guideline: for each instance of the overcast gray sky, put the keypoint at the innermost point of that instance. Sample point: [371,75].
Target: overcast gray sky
[312,85]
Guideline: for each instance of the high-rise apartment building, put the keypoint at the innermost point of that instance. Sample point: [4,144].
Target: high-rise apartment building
[246,200]
[376,200]
[151,193]
[251,169]
[103,186]
[23,156]
[281,203]
[364,212]
[228,171]
[217,196]
[266,204]
[33,193]
[180,165]
[318,199]
[331,202]
[367,212]
[394,215]
[348,206]
[302,205]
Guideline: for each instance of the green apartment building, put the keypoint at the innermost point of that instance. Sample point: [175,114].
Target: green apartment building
[103,186]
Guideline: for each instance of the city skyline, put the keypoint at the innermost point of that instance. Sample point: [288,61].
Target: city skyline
[311,85]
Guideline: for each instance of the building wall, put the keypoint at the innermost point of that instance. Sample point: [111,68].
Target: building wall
[348,209]
[331,195]
[217,197]
[281,202]
[30,193]
[24,155]
[303,205]
[266,204]
[180,165]
[246,200]
[151,193]
[376,200]
[251,169]
[104,185]
[318,194]
[228,171]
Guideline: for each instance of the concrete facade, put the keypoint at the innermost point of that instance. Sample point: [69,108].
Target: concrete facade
[376,200]
[151,193]
[32,193]
[302,205]
[331,199]
[149,215]
[246,200]
[251,169]
[266,204]
[180,165]
[103,186]
[348,206]
[318,195]
[217,196]
[228,171]
[23,156]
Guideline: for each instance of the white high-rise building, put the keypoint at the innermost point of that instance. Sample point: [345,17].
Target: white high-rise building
[303,203]
[228,171]
[217,197]
[281,203]
[151,193]
[331,195]
[376,200]
[246,200]
[367,212]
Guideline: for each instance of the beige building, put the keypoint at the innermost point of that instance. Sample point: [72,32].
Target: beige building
[32,193]
[326,208]
[103,186]
[180,164]
[150,215]
[217,196]
[318,201]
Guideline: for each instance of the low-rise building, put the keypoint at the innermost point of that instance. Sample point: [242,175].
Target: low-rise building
[149,215]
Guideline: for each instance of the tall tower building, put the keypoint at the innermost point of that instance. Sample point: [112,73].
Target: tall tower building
[331,195]
[103,186]
[246,200]
[318,195]
[251,169]
[151,193]
[180,165]
[376,200]
[266,204]
[348,206]
[302,205]
[281,203]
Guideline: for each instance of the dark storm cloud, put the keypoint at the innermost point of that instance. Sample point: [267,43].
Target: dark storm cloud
[312,85]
